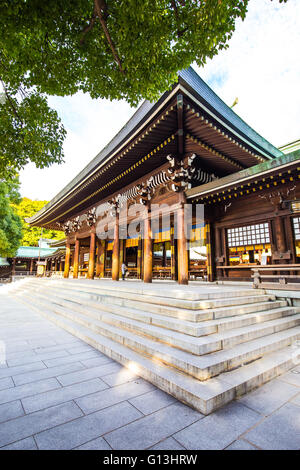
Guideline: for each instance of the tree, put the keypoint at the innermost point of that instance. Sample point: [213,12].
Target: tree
[117,49]
[31,235]
[29,130]
[10,222]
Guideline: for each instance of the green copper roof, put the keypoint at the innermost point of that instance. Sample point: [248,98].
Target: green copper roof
[33,252]
[208,97]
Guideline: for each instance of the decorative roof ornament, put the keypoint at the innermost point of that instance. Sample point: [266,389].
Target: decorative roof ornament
[91,217]
[66,227]
[181,173]
[145,192]
[76,224]
[115,205]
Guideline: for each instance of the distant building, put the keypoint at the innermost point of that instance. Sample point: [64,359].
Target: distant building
[5,268]
[27,259]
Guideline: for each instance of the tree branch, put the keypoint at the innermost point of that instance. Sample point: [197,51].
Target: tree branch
[102,13]
[180,32]
[11,102]
[89,26]
[174,6]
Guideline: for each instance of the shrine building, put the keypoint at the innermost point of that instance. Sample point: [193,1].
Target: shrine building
[189,147]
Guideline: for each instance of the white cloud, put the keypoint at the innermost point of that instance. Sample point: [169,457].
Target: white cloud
[261,68]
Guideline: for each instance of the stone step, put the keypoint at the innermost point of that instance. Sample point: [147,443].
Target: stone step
[198,346]
[206,396]
[248,305]
[167,290]
[187,299]
[267,311]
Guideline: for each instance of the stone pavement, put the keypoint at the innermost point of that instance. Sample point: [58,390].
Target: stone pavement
[56,392]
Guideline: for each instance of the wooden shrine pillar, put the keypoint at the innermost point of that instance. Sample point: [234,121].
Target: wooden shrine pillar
[224,247]
[121,255]
[218,250]
[115,253]
[290,238]
[209,253]
[100,258]
[61,265]
[219,258]
[55,265]
[91,268]
[279,234]
[139,258]
[67,260]
[182,254]
[31,266]
[76,259]
[173,257]
[148,254]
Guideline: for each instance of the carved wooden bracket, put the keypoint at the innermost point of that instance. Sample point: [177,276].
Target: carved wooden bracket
[145,192]
[180,173]
[115,205]
[66,227]
[91,217]
[76,224]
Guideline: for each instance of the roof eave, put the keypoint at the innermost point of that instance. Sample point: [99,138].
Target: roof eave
[244,175]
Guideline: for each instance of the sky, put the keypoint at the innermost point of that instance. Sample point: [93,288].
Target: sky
[261,68]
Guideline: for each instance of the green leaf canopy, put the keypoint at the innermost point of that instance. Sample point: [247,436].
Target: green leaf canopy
[115,49]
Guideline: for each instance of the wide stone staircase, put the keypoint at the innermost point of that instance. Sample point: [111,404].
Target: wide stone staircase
[204,345]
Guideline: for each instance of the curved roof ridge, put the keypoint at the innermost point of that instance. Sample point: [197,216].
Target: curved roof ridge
[193,79]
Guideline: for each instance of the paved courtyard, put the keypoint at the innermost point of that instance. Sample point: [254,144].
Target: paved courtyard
[57,392]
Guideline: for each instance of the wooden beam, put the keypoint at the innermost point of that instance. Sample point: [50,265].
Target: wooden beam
[214,152]
[180,137]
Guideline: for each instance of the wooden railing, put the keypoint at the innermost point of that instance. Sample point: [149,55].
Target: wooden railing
[198,272]
[161,272]
[277,276]
[132,272]
[24,273]
[53,273]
